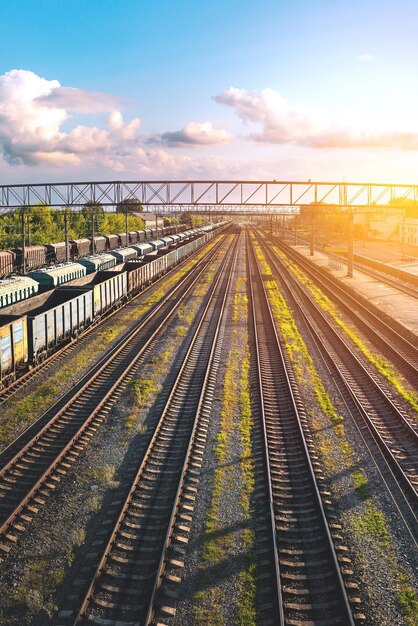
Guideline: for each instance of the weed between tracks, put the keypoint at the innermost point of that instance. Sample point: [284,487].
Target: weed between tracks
[235,418]
[380,363]
[369,524]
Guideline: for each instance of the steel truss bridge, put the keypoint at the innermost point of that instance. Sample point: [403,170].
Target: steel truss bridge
[211,196]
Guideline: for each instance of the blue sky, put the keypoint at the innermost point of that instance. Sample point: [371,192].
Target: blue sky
[322,89]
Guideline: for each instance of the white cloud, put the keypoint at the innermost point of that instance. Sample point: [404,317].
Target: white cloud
[33,110]
[364,58]
[284,123]
[193,134]
[281,122]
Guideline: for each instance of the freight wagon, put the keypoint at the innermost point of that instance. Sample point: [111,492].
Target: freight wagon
[133,237]
[13,346]
[98,262]
[168,241]
[112,242]
[109,289]
[51,277]
[64,315]
[16,289]
[123,240]
[35,256]
[57,252]
[142,249]
[156,244]
[7,263]
[124,254]
[97,244]
[79,247]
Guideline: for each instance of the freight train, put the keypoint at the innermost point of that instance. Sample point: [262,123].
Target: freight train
[32,329]
[11,261]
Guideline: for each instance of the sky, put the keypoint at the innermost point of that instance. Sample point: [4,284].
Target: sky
[245,90]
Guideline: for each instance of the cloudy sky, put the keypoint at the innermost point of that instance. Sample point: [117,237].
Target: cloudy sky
[148,89]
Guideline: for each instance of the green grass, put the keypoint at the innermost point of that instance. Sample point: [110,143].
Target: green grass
[246,612]
[408,601]
[360,482]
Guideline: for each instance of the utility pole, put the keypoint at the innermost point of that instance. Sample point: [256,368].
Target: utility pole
[93,246]
[28,229]
[312,239]
[23,242]
[156,224]
[127,225]
[350,254]
[296,229]
[66,235]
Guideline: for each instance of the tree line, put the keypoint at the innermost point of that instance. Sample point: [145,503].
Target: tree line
[44,224]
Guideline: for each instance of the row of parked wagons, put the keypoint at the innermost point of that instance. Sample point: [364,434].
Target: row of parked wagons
[11,261]
[16,288]
[28,336]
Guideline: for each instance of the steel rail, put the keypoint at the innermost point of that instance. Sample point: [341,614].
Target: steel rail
[132,358]
[173,397]
[265,321]
[407,487]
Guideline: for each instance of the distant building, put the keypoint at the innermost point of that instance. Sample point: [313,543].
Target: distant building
[409,231]
[149,219]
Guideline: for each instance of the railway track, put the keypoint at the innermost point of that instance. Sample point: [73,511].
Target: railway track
[389,336]
[135,577]
[396,438]
[34,465]
[307,584]
[71,347]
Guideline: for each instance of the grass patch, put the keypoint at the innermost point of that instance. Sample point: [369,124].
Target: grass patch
[360,483]
[246,612]
[36,587]
[141,389]
[408,601]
